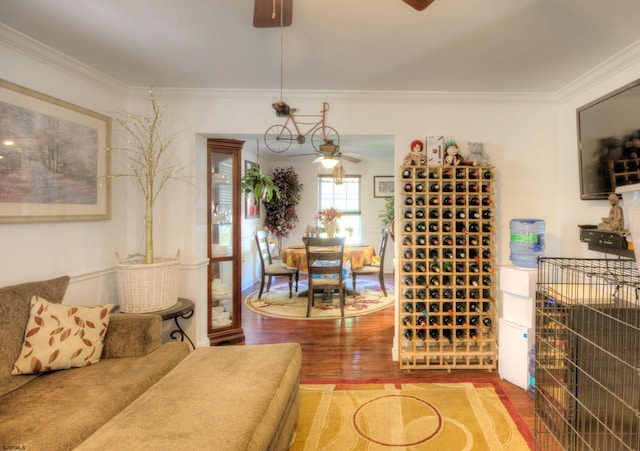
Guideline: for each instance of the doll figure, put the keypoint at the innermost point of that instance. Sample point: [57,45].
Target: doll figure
[417,156]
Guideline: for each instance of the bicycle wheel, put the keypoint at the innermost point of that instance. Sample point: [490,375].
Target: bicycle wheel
[322,134]
[278,138]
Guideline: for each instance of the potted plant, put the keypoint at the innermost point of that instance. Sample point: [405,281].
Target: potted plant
[146,283]
[388,214]
[281,216]
[261,186]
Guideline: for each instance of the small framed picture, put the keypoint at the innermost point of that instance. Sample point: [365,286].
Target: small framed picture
[383,185]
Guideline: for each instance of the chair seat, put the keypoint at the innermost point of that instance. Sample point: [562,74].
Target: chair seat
[367,270]
[278,268]
[321,282]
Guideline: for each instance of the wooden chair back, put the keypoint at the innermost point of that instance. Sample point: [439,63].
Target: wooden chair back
[262,240]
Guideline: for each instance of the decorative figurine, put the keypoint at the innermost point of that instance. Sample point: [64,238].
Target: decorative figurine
[477,156]
[417,156]
[453,157]
[615,221]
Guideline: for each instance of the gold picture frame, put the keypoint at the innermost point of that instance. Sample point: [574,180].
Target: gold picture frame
[54,159]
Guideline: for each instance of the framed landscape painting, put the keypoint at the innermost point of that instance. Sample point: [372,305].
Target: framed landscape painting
[54,163]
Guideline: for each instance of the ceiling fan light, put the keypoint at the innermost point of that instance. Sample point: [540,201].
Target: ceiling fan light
[329,162]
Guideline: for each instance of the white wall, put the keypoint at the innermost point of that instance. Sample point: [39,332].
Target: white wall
[571,211]
[530,138]
[86,249]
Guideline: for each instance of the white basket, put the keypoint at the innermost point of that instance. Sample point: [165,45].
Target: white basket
[148,288]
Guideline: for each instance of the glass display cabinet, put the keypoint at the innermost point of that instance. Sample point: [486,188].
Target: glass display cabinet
[225,194]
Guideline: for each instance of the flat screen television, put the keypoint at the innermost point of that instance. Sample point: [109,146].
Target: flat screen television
[609,142]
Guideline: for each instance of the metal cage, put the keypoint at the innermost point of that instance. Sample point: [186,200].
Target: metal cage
[587,375]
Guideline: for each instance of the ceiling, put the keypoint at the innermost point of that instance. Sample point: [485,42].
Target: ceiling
[537,46]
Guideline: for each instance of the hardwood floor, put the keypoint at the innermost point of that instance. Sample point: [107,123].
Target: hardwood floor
[358,349]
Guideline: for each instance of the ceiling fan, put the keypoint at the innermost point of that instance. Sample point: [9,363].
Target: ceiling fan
[279,13]
[330,155]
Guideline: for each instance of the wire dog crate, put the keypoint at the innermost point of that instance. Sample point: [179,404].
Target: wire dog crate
[587,375]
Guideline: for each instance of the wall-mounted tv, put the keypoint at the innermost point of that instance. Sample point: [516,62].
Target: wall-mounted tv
[609,142]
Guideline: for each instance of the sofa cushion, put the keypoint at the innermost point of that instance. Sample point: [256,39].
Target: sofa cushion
[14,314]
[231,398]
[60,409]
[59,337]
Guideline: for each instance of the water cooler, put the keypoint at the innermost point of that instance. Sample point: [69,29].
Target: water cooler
[516,326]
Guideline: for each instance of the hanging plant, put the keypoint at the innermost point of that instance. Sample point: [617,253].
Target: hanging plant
[261,186]
[281,216]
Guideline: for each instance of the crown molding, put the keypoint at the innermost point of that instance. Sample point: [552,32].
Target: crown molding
[408,97]
[613,66]
[38,51]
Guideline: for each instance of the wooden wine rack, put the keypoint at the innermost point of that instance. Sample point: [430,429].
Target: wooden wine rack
[447,267]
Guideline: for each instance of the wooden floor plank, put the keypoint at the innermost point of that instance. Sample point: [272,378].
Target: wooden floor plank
[359,349]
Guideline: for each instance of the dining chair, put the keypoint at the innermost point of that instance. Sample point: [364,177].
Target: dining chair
[268,269]
[324,268]
[369,270]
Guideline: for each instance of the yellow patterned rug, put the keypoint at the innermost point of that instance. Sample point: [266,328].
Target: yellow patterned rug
[408,416]
[276,302]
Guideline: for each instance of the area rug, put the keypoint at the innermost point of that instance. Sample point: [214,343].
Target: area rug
[408,416]
[276,302]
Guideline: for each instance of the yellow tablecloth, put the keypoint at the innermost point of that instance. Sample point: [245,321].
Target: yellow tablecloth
[296,256]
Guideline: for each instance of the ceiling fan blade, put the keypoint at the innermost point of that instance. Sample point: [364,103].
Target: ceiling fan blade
[351,159]
[263,10]
[418,4]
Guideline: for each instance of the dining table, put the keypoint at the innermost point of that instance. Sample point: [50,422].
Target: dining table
[358,254]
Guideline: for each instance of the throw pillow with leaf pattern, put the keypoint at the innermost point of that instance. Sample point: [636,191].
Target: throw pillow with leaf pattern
[60,336]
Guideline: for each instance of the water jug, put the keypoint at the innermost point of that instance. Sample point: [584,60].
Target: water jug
[527,242]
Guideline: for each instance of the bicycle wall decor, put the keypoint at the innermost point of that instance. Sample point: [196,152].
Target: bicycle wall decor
[278,138]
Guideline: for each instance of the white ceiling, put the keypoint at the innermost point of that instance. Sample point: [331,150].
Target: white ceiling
[454,45]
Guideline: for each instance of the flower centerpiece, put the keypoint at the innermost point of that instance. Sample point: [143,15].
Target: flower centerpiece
[329,219]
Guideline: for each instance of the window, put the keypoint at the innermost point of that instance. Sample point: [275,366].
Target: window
[344,197]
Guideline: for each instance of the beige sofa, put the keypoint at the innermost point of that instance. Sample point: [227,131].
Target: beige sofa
[144,394]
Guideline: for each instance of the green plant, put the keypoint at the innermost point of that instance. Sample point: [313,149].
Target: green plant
[149,159]
[388,214]
[281,216]
[262,186]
